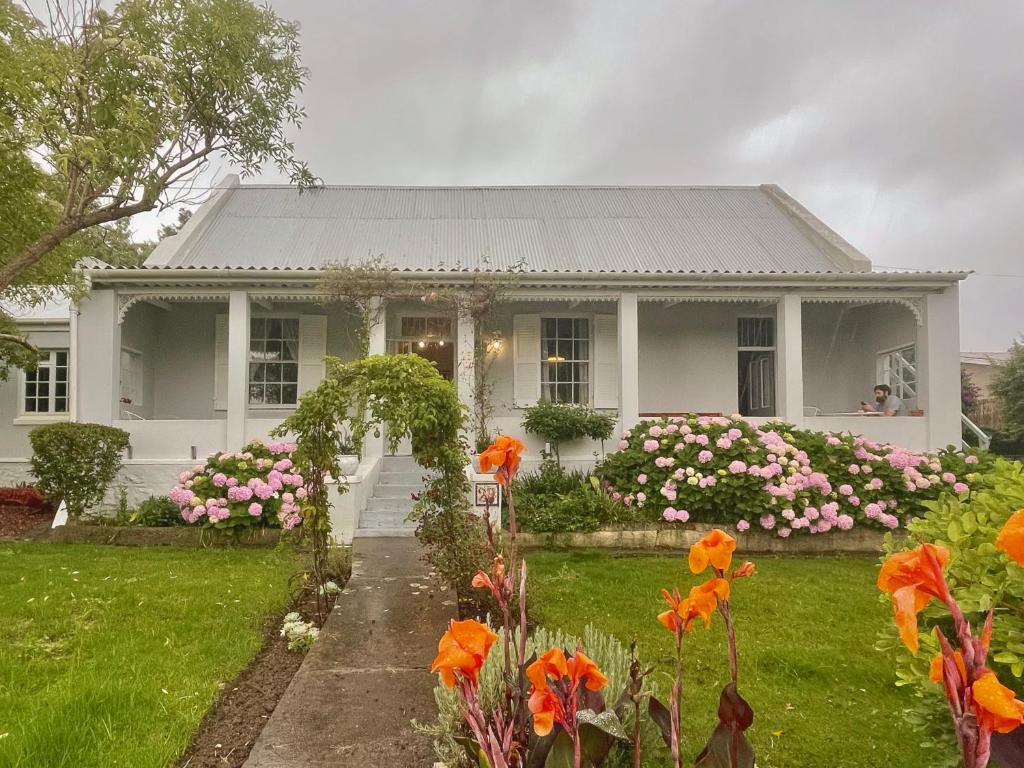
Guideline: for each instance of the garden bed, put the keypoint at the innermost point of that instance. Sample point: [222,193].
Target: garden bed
[172,536]
[23,522]
[680,537]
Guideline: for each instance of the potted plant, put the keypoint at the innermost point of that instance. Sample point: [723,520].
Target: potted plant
[348,456]
[483,440]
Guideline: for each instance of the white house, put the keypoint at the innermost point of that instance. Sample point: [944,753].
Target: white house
[637,300]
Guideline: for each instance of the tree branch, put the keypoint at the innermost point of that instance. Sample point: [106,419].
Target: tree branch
[11,338]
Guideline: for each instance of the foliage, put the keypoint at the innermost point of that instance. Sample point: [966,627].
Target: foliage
[552,499]
[300,634]
[15,351]
[256,487]
[721,469]
[969,391]
[22,496]
[76,463]
[112,112]
[980,579]
[363,289]
[156,512]
[560,422]
[1008,389]
[71,615]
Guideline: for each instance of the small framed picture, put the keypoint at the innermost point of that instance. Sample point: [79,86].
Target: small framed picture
[486,494]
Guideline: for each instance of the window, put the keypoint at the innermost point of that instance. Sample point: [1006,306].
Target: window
[46,388]
[898,369]
[273,361]
[755,341]
[131,377]
[565,359]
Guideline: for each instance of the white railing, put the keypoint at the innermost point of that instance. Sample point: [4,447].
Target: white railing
[984,439]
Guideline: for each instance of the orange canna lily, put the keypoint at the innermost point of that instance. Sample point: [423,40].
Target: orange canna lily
[503,455]
[716,548]
[996,706]
[914,578]
[935,668]
[702,602]
[582,668]
[670,619]
[552,663]
[462,649]
[555,680]
[546,708]
[744,571]
[1011,537]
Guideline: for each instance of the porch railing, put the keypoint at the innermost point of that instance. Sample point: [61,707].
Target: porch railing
[984,439]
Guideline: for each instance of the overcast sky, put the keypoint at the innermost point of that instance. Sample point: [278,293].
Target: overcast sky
[900,124]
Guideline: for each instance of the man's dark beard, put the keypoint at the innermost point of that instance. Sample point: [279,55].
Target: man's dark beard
[881,399]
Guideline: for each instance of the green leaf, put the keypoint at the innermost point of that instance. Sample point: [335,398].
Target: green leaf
[717,753]
[607,721]
[561,754]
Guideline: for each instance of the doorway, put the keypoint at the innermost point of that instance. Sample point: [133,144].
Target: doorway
[428,336]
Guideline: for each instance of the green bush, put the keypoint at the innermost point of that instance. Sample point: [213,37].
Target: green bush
[76,463]
[156,512]
[981,577]
[552,499]
[559,422]
[1008,387]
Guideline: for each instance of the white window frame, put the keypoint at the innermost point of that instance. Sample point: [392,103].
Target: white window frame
[885,373]
[43,417]
[249,361]
[394,343]
[766,373]
[590,352]
[137,356]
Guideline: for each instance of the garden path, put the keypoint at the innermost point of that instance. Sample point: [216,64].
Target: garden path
[351,702]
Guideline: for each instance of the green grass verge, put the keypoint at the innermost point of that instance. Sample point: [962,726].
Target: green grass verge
[822,695]
[110,656]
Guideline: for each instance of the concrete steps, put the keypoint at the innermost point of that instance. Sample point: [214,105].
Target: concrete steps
[389,506]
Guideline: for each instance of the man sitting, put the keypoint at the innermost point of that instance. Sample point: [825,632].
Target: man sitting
[886,403]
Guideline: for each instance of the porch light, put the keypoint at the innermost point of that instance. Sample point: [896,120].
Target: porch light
[421,344]
[556,359]
[440,343]
[494,346]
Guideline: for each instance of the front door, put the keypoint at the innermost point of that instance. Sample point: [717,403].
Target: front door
[757,383]
[430,337]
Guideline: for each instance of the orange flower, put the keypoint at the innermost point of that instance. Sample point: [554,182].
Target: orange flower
[503,455]
[670,619]
[462,649]
[546,708]
[1011,537]
[551,671]
[582,668]
[914,578]
[551,663]
[715,548]
[935,669]
[702,602]
[745,570]
[997,708]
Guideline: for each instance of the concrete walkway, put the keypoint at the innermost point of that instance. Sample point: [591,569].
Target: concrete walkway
[369,673]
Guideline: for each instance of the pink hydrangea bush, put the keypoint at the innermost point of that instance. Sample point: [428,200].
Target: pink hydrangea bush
[257,487]
[777,478]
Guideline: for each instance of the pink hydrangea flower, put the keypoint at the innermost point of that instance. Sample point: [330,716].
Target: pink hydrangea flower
[948,477]
[971,459]
[641,478]
[724,443]
[845,522]
[767,521]
[853,469]
[742,525]
[654,431]
[651,445]
[219,479]
[641,497]
[705,456]
[255,509]
[623,445]
[701,439]
[784,532]
[961,488]
[300,493]
[737,467]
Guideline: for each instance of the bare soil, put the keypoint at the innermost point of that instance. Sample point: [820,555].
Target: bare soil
[24,522]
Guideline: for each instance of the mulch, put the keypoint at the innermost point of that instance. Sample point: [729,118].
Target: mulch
[231,727]
[24,522]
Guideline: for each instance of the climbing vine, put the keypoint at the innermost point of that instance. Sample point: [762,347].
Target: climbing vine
[404,396]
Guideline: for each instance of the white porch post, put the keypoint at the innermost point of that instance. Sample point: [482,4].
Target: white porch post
[238,369]
[938,367]
[98,375]
[629,362]
[373,447]
[789,363]
[466,368]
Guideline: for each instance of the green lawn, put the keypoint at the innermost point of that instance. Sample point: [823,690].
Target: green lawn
[110,656]
[806,628]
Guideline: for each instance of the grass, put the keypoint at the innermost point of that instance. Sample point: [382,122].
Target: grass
[110,656]
[822,695]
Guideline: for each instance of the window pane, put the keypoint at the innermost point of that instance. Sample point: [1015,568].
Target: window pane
[273,350]
[257,372]
[289,394]
[582,350]
[273,394]
[290,328]
[565,394]
[565,349]
[290,372]
[60,404]
[548,328]
[30,405]
[274,329]
[582,330]
[257,328]
[62,358]
[256,396]
[290,350]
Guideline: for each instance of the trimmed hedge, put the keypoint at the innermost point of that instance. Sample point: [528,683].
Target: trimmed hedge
[76,463]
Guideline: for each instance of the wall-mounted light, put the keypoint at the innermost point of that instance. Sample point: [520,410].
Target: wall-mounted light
[440,343]
[494,345]
[421,344]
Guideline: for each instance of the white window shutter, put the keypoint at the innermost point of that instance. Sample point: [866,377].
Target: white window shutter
[312,348]
[220,363]
[526,360]
[606,361]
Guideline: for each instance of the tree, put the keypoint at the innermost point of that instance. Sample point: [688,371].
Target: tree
[112,113]
[167,230]
[1008,388]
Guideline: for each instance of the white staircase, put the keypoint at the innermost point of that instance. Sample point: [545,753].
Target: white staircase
[387,510]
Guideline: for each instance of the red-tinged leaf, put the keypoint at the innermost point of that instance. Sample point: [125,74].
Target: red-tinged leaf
[718,753]
[562,753]
[662,718]
[1008,748]
[733,709]
[539,747]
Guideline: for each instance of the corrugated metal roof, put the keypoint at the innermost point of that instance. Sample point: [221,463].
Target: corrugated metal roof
[548,229]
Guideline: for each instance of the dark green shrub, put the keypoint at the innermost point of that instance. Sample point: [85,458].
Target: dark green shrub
[559,422]
[76,463]
[552,499]
[156,512]
[981,577]
[1008,387]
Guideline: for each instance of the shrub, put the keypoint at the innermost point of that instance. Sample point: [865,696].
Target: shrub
[76,463]
[559,422]
[981,578]
[776,477]
[253,488]
[22,496]
[1008,387]
[156,512]
[552,499]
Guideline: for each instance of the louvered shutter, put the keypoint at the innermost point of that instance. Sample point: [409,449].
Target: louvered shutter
[526,360]
[220,363]
[606,361]
[312,348]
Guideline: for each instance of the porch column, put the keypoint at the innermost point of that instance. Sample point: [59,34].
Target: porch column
[789,363]
[466,369]
[98,378]
[629,362]
[938,367]
[238,369]
[373,447]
